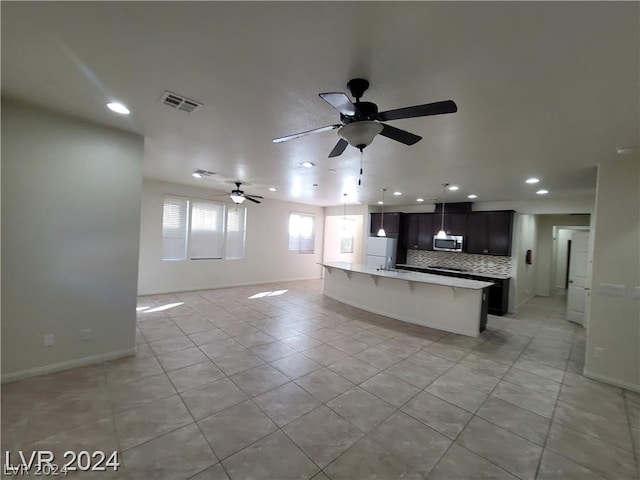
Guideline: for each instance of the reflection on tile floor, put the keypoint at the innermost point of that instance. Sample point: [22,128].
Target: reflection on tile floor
[235,383]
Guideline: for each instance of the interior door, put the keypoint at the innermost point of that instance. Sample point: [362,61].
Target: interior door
[578,280]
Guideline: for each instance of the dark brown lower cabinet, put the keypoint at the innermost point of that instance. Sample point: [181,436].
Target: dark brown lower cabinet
[498,301]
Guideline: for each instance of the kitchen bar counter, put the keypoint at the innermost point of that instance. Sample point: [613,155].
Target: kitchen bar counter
[498,292]
[451,304]
[466,272]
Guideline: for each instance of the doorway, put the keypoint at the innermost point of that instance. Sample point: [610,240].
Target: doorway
[343,238]
[578,290]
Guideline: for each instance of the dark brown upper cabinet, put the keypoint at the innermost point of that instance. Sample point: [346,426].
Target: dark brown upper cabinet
[486,233]
[490,233]
[454,223]
[391,224]
[411,232]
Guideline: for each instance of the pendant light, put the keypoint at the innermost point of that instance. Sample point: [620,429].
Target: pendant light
[442,233]
[344,215]
[381,232]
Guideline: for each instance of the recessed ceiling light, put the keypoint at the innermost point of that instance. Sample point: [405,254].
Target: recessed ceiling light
[532,180]
[454,188]
[419,199]
[472,196]
[397,193]
[542,192]
[272,189]
[307,164]
[380,203]
[118,108]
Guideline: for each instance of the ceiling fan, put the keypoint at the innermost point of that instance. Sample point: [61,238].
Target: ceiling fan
[361,121]
[237,196]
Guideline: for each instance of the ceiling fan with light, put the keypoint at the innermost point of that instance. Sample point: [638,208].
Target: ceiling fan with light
[238,196]
[361,121]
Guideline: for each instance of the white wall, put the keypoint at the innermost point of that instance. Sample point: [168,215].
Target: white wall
[266,258]
[614,321]
[523,283]
[71,216]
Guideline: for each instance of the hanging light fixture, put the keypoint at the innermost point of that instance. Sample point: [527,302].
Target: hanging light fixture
[442,233]
[344,214]
[236,198]
[381,232]
[360,134]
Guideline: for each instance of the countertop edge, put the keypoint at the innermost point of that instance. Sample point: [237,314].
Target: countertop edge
[409,276]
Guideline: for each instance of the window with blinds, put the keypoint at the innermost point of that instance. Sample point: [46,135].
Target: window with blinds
[199,229]
[175,221]
[236,232]
[207,230]
[301,233]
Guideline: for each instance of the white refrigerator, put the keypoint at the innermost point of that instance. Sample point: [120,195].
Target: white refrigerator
[380,252]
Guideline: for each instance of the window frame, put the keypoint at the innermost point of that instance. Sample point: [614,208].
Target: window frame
[299,251]
[189,226]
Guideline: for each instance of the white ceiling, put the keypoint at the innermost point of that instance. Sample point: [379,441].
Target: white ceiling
[544,89]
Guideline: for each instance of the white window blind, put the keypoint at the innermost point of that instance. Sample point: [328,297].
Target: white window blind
[301,233]
[207,229]
[175,216]
[236,228]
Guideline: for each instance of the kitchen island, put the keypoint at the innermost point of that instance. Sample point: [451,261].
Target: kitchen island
[451,304]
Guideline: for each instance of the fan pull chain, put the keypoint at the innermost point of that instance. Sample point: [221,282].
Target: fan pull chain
[360,178]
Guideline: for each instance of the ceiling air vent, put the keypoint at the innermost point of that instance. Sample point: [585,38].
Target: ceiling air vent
[179,102]
[199,173]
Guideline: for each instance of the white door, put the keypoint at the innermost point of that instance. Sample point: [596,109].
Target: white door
[578,279]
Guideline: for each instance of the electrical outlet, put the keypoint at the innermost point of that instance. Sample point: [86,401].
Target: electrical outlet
[597,352]
[48,339]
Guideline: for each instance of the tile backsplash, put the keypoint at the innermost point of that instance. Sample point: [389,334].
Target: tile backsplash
[478,263]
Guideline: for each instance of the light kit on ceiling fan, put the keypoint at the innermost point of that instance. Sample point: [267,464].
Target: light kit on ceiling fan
[238,196]
[360,134]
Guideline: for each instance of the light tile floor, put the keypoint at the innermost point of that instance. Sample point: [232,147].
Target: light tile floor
[235,383]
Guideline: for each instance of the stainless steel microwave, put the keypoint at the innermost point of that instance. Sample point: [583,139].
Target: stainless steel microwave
[451,243]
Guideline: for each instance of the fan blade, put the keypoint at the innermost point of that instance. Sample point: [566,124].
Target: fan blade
[340,102]
[308,132]
[437,108]
[398,135]
[253,196]
[252,199]
[339,148]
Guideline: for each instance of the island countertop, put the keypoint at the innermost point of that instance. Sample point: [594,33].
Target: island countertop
[474,273]
[456,305]
[410,276]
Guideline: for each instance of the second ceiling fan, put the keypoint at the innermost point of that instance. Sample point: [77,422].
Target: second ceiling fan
[361,121]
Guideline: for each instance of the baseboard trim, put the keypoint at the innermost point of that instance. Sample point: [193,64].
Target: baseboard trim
[612,381]
[523,302]
[59,367]
[230,285]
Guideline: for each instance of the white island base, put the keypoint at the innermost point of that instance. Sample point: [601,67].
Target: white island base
[454,305]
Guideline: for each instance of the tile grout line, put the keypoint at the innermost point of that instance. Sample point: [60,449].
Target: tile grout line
[553,413]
